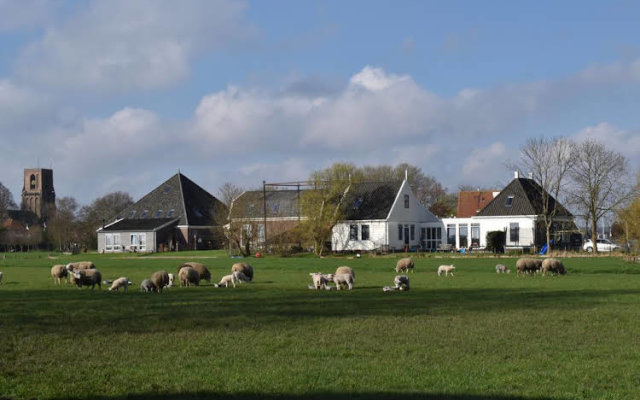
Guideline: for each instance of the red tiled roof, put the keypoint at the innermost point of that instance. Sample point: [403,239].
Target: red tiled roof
[470,203]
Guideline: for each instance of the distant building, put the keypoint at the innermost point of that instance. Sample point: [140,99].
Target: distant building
[177,215]
[38,195]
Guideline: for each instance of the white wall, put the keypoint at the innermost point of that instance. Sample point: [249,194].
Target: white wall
[526,226]
[340,240]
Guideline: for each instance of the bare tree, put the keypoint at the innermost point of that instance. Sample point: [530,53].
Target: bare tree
[548,161]
[229,192]
[600,182]
[6,201]
[62,228]
[102,209]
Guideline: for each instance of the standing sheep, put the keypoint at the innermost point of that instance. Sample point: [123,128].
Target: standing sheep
[80,265]
[320,280]
[160,279]
[446,270]
[88,277]
[502,269]
[404,265]
[346,270]
[343,279]
[118,283]
[58,272]
[528,265]
[147,286]
[553,265]
[245,268]
[233,278]
[188,276]
[204,273]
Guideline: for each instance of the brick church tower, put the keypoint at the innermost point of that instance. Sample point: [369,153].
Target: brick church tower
[38,194]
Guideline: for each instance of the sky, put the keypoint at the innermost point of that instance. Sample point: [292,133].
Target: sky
[119,95]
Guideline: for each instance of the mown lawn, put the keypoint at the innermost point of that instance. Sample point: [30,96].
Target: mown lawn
[477,336]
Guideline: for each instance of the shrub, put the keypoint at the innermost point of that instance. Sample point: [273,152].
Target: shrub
[496,241]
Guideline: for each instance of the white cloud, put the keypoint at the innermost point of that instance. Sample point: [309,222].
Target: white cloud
[122,45]
[622,141]
[483,166]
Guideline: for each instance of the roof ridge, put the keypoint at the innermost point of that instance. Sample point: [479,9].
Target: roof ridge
[184,206]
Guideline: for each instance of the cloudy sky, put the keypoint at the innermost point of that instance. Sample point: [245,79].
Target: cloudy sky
[121,94]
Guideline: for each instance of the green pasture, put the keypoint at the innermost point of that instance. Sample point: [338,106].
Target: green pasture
[476,336]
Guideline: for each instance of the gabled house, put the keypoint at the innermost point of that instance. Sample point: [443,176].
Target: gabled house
[176,215]
[517,210]
[385,216]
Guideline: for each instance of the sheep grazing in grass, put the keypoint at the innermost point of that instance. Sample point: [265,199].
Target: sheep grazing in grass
[343,279]
[88,277]
[501,269]
[346,270]
[245,268]
[80,265]
[553,266]
[204,273]
[528,265]
[147,286]
[400,282]
[404,265]
[58,272]
[233,278]
[188,276]
[172,280]
[160,279]
[320,280]
[122,282]
[446,270]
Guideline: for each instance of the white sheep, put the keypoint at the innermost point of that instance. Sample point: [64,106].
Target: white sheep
[120,282]
[233,279]
[204,273]
[554,266]
[320,280]
[446,270]
[80,265]
[245,268]
[188,276]
[160,279]
[346,270]
[58,272]
[502,269]
[172,280]
[400,282]
[147,286]
[404,265]
[343,279]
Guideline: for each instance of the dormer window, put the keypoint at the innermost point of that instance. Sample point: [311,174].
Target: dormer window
[132,214]
[171,213]
[509,201]
[158,214]
[144,214]
[406,201]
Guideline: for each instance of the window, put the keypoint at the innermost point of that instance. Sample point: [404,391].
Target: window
[514,232]
[451,235]
[406,201]
[353,232]
[144,214]
[475,235]
[166,189]
[132,214]
[143,241]
[413,232]
[399,231]
[158,214]
[509,201]
[464,232]
[108,241]
[365,232]
[261,233]
[116,241]
[434,236]
[33,182]
[171,213]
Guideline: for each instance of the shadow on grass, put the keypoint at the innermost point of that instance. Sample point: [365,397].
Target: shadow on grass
[329,396]
[66,310]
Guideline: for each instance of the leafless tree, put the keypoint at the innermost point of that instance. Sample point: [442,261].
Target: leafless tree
[229,192]
[62,228]
[600,182]
[6,201]
[549,161]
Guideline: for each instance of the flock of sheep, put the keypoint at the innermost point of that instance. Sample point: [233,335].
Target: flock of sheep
[84,273]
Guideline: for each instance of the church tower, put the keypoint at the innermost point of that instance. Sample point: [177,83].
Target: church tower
[37,193]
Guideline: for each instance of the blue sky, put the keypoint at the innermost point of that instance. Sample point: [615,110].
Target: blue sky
[120,95]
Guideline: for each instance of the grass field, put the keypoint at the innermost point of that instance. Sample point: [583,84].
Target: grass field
[477,336]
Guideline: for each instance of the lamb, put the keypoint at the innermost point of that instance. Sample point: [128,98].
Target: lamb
[528,265]
[188,276]
[160,279]
[88,277]
[233,278]
[58,272]
[320,280]
[404,265]
[446,270]
[204,273]
[172,280]
[245,268]
[147,286]
[120,282]
[400,282]
[553,265]
[501,269]
[80,265]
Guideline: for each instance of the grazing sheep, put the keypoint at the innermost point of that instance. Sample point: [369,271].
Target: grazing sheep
[320,280]
[501,269]
[553,265]
[245,268]
[147,286]
[58,272]
[446,270]
[120,282]
[80,265]
[404,265]
[204,273]
[188,276]
[233,279]
[172,280]
[346,270]
[343,279]
[88,277]
[160,279]
[528,265]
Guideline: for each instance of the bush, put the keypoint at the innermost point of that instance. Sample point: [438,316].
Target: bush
[496,241]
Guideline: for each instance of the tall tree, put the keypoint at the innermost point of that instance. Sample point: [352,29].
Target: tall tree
[549,161]
[6,200]
[600,182]
[228,192]
[629,217]
[62,227]
[101,210]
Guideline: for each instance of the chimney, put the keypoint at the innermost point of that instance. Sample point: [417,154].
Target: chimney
[530,175]
[516,174]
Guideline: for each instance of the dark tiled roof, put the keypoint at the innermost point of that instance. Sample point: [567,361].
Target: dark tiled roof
[138,224]
[25,217]
[280,203]
[370,200]
[526,197]
[470,202]
[179,197]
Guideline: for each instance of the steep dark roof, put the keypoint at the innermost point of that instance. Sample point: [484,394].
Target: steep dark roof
[179,197]
[137,224]
[521,197]
[370,200]
[280,203]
